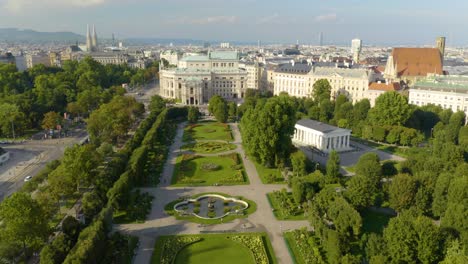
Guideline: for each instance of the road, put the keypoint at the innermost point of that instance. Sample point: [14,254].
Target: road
[30,157]
[262,220]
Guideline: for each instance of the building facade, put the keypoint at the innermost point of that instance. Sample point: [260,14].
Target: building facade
[321,136]
[448,92]
[35,59]
[298,80]
[197,78]
[171,56]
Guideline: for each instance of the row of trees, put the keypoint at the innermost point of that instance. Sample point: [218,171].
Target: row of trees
[77,88]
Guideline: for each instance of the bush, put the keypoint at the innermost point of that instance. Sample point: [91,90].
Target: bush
[196,210]
[172,245]
[208,166]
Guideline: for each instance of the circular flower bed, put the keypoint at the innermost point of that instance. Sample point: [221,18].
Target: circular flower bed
[208,166]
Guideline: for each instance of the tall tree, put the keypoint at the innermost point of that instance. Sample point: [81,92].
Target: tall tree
[218,107]
[333,167]
[391,108]
[51,120]
[23,221]
[402,192]
[321,91]
[193,114]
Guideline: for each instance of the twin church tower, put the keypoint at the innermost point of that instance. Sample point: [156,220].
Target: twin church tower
[91,40]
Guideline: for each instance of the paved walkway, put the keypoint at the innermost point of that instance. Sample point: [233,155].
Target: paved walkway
[158,223]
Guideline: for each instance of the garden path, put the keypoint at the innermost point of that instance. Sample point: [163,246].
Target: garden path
[159,223]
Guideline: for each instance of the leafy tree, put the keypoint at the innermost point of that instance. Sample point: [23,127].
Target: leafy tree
[299,163]
[428,240]
[113,120]
[368,166]
[218,107]
[375,245]
[402,192]
[439,204]
[455,254]
[12,120]
[57,251]
[23,221]
[361,191]
[51,120]
[321,91]
[71,228]
[391,108]
[91,204]
[157,104]
[400,238]
[360,111]
[267,130]
[393,136]
[326,111]
[193,114]
[463,137]
[378,133]
[333,167]
[232,110]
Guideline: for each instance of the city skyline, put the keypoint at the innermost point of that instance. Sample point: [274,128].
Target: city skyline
[402,23]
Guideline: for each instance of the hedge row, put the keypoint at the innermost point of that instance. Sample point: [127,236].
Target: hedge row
[151,135]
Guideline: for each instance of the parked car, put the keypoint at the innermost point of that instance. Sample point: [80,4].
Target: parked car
[28,178]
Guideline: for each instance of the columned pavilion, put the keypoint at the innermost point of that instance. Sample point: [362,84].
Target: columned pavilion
[321,136]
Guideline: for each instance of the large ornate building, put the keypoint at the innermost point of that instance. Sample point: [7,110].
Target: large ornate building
[197,78]
[297,79]
[448,92]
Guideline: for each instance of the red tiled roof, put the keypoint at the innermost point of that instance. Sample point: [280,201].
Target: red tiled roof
[417,61]
[384,87]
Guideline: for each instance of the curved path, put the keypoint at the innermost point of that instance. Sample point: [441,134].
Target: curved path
[158,223]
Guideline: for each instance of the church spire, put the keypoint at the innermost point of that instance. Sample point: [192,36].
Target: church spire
[88,39]
[94,39]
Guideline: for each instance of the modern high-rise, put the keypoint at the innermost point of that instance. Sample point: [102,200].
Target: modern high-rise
[356,46]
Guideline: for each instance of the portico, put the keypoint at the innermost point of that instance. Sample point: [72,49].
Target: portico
[321,136]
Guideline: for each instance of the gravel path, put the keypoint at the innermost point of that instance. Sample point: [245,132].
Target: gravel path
[158,223]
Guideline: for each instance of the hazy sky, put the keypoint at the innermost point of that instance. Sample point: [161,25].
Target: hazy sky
[375,22]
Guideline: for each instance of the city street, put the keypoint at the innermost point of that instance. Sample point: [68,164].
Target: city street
[30,157]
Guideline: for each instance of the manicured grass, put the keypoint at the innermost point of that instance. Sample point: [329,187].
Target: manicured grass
[209,147]
[292,248]
[395,150]
[207,130]
[169,209]
[193,170]
[216,248]
[374,222]
[278,211]
[269,175]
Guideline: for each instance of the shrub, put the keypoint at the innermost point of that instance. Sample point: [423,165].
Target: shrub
[208,166]
[196,210]
[172,245]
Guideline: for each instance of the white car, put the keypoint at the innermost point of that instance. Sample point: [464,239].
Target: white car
[28,178]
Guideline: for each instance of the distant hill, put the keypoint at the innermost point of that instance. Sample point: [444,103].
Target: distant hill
[15,35]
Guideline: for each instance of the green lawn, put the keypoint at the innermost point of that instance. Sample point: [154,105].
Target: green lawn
[169,209]
[207,130]
[374,222]
[269,175]
[209,147]
[193,170]
[214,248]
[280,213]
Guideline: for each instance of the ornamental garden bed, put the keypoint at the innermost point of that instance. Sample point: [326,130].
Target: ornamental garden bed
[194,170]
[200,209]
[228,248]
[207,130]
[207,147]
[284,207]
[304,247]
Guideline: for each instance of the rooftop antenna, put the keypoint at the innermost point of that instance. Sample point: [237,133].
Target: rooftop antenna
[113,40]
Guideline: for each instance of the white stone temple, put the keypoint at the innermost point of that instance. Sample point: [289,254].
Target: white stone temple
[321,136]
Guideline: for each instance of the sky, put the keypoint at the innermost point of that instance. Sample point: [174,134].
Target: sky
[385,22]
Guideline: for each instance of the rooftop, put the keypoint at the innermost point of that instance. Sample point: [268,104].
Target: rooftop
[300,68]
[417,61]
[223,55]
[319,126]
[384,86]
[454,83]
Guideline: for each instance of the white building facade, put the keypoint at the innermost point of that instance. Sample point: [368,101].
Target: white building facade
[321,136]
[448,92]
[298,80]
[197,78]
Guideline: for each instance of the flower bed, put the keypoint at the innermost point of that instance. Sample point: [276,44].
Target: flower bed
[172,245]
[256,245]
